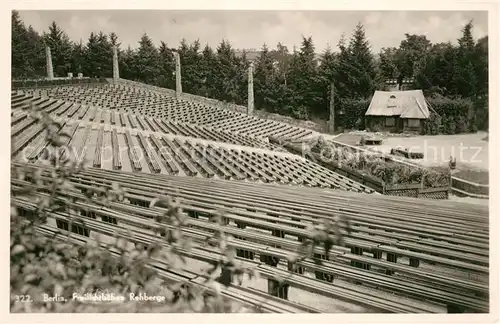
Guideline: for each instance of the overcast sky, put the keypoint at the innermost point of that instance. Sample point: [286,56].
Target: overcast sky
[250,29]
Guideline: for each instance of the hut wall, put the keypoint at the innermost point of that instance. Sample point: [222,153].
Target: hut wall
[384,123]
[413,125]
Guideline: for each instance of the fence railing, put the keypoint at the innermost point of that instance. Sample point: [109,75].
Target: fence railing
[470,187]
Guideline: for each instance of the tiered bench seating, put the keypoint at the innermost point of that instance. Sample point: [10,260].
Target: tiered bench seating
[146,123]
[166,158]
[150,159]
[132,152]
[399,254]
[141,101]
[117,164]
[197,158]
[23,134]
[98,149]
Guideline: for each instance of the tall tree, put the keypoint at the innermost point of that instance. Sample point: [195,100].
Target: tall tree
[362,65]
[326,74]
[128,65]
[435,71]
[265,82]
[342,73]
[242,78]
[226,80]
[465,77]
[27,50]
[20,64]
[304,80]
[282,58]
[482,110]
[78,59]
[411,50]
[192,78]
[388,65]
[207,68]
[481,59]
[99,56]
[147,61]
[466,42]
[35,53]
[61,49]
[113,39]
[166,66]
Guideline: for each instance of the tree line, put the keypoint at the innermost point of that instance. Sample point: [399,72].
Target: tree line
[288,82]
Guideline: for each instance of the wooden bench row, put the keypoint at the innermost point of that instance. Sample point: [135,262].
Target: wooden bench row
[368,227]
[64,108]
[117,164]
[472,212]
[403,286]
[197,200]
[83,111]
[22,126]
[84,139]
[98,148]
[38,149]
[250,236]
[193,159]
[241,295]
[167,158]
[199,113]
[143,237]
[178,129]
[134,157]
[22,135]
[150,159]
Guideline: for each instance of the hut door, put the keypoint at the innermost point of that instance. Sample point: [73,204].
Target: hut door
[399,124]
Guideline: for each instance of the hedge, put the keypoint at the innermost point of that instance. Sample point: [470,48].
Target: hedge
[354,112]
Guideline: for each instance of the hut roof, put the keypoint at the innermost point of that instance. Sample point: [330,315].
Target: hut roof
[406,104]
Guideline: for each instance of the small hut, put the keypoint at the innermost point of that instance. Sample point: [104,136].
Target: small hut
[397,111]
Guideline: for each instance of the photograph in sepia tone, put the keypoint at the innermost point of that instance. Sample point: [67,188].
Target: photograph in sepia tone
[182,162]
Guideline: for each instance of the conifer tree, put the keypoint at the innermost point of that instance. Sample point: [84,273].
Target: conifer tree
[147,61]
[61,49]
[326,74]
[78,59]
[208,66]
[166,78]
[226,73]
[362,67]
[127,64]
[263,81]
[465,77]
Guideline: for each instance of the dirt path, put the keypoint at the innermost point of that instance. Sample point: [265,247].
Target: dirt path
[470,150]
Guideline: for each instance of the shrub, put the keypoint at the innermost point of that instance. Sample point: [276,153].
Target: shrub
[451,106]
[473,125]
[376,166]
[455,110]
[461,125]
[354,113]
[432,125]
[300,112]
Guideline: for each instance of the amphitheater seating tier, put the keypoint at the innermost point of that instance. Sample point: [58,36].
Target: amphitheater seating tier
[389,262]
[144,144]
[145,102]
